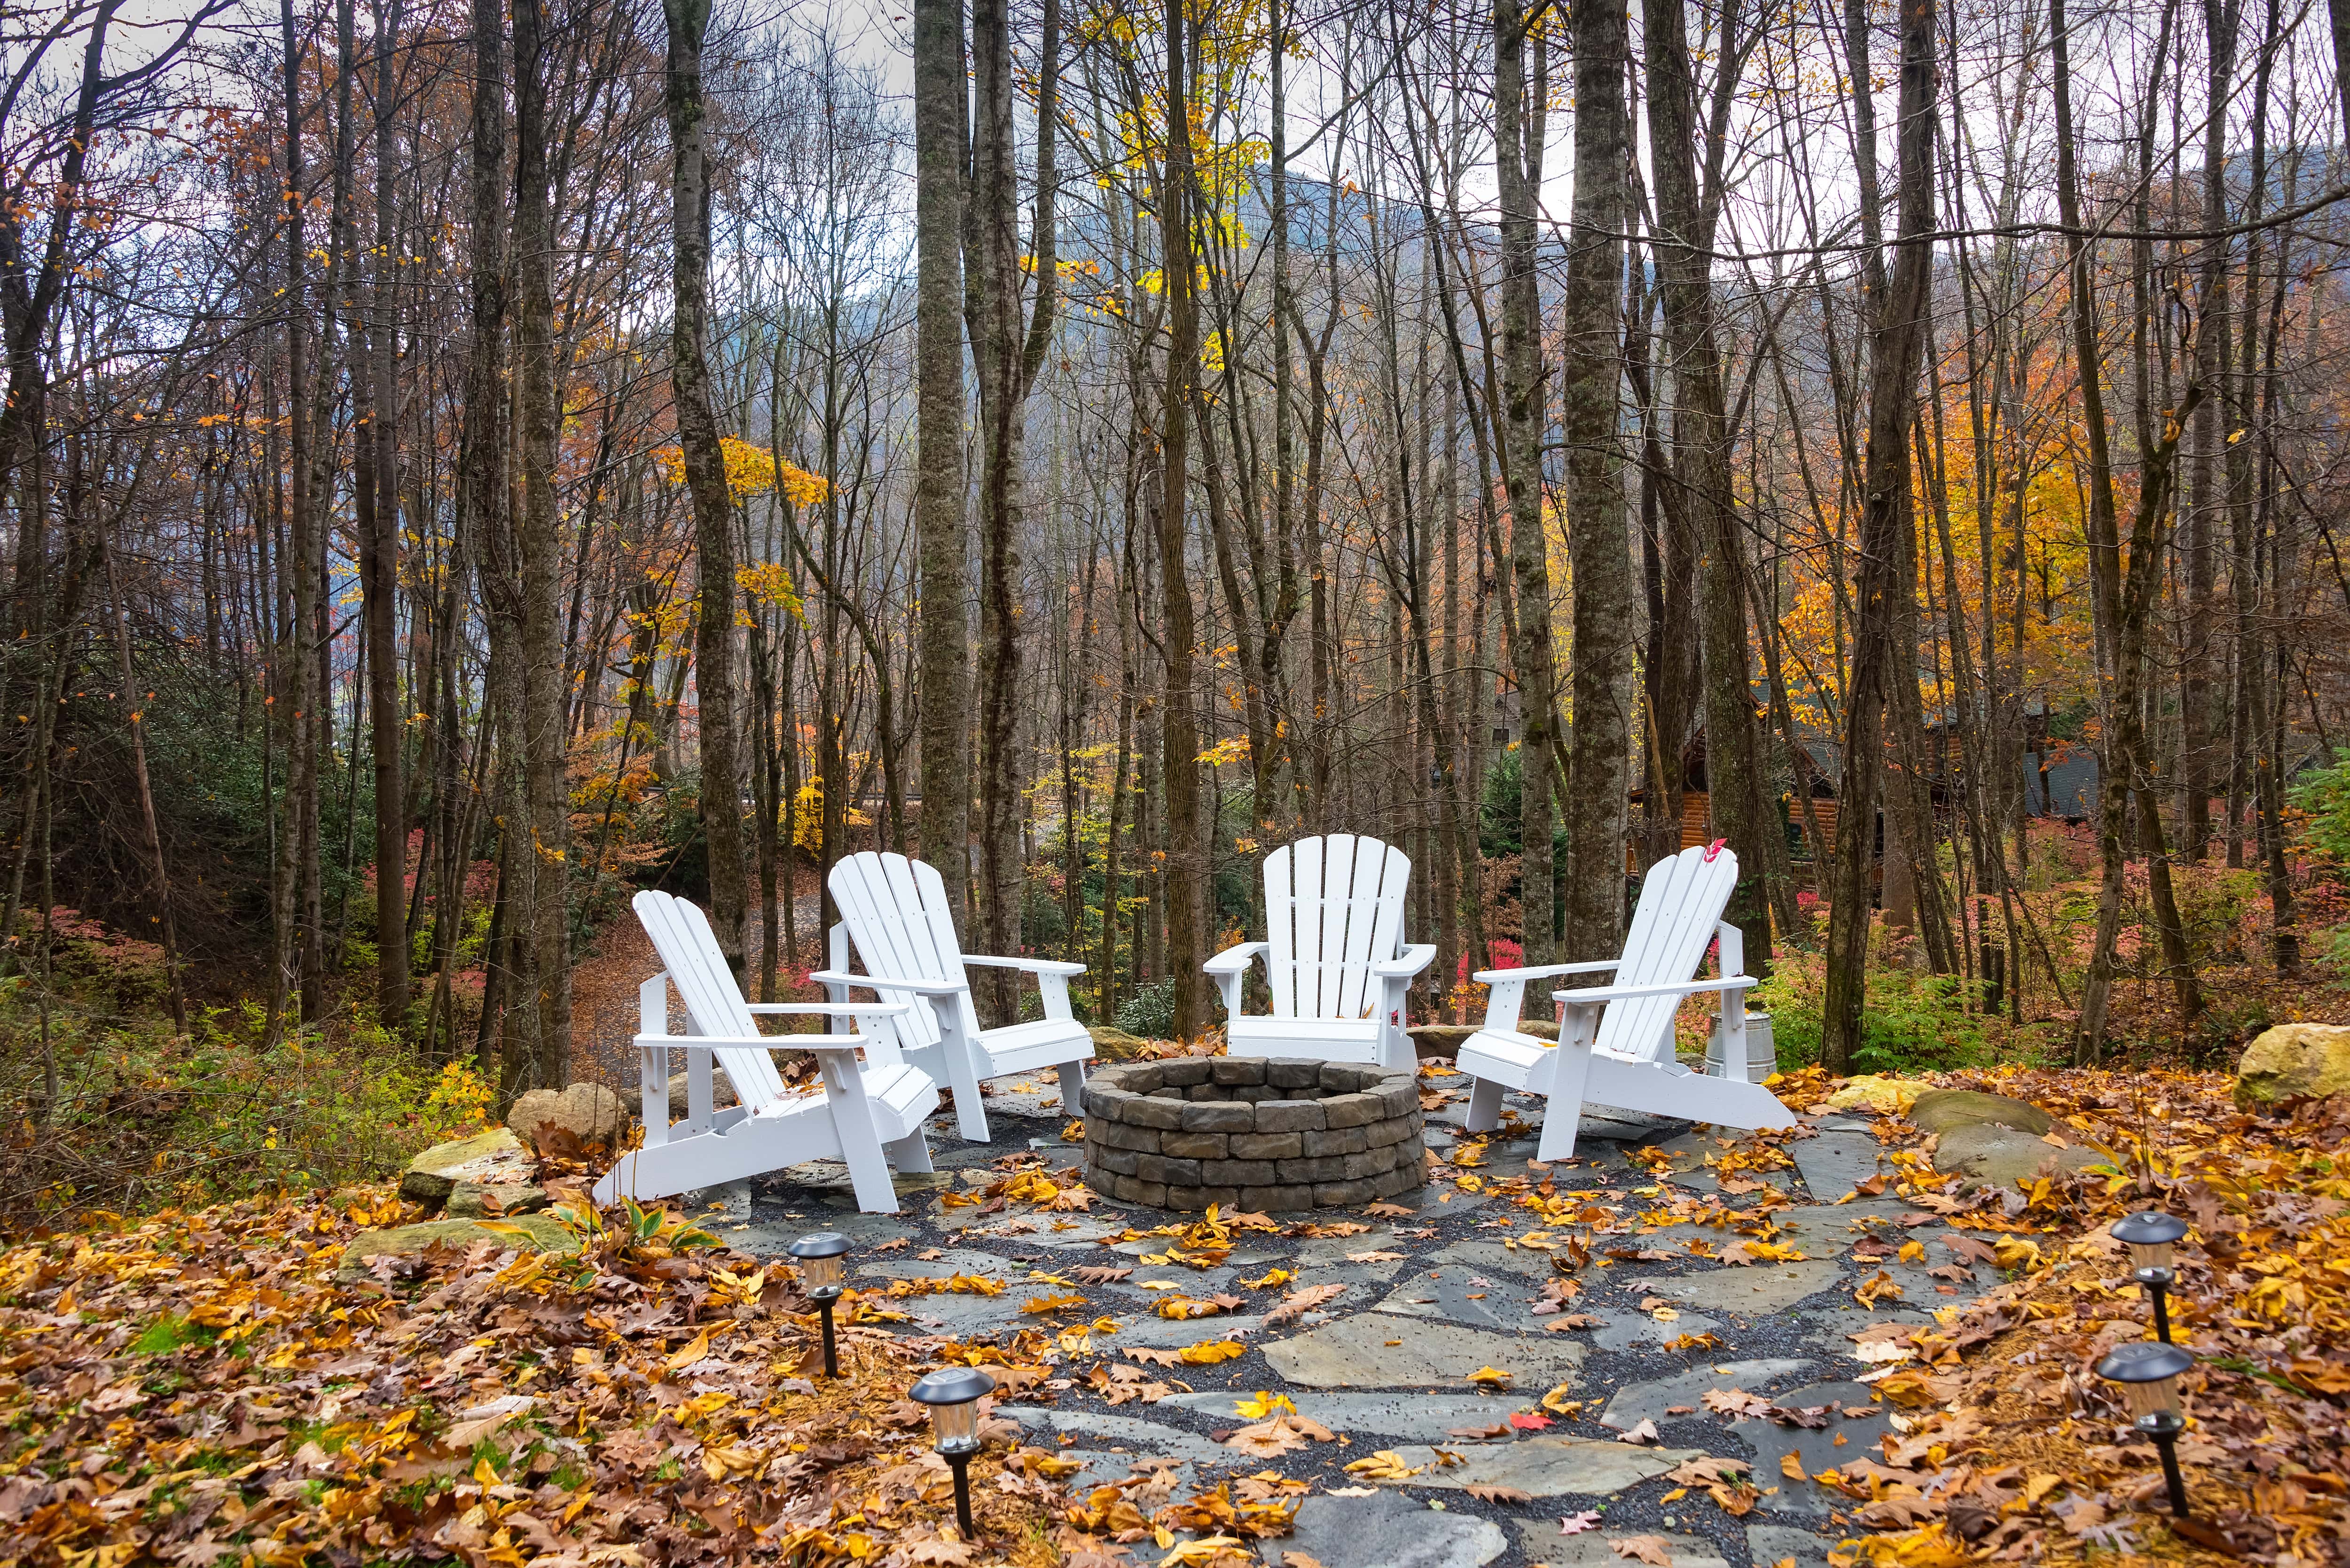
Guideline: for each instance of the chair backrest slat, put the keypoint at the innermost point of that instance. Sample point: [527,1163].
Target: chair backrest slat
[896,912]
[1681,900]
[1333,907]
[689,949]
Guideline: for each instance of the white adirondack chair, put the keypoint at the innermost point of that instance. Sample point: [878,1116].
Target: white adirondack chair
[1335,955]
[1616,1041]
[893,913]
[867,1115]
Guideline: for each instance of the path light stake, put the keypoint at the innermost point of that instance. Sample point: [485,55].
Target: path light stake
[953,1396]
[821,1270]
[2149,1235]
[2148,1374]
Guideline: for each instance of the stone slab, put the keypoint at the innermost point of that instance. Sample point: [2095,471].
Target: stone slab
[1545,1466]
[540,1233]
[1834,1163]
[1772,1545]
[1945,1110]
[904,1265]
[1390,1530]
[1637,1402]
[1457,1294]
[1824,1228]
[1828,1331]
[1595,1548]
[1762,1288]
[1166,1332]
[1144,1439]
[1492,1258]
[1816,1446]
[1422,1418]
[494,1157]
[1631,1330]
[768,1235]
[1356,1352]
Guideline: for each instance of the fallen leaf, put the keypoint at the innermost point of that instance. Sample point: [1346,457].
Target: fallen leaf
[1576,1523]
[1502,1494]
[1653,1549]
[1646,1432]
[1297,1303]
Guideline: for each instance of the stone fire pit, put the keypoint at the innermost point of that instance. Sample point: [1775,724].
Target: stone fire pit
[1259,1133]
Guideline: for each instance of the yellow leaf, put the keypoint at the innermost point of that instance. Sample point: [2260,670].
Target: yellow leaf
[1791,1466]
[1264,1405]
[695,1349]
[1208,1352]
[1489,1377]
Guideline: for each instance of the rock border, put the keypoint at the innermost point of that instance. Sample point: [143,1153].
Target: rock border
[1266,1134]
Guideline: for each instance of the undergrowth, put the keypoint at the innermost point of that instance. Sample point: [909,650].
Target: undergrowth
[110,1111]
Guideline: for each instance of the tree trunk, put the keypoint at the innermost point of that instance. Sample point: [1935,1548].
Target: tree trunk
[1897,340]
[1517,169]
[1598,767]
[705,477]
[1187,861]
[376,507]
[941,132]
[1685,221]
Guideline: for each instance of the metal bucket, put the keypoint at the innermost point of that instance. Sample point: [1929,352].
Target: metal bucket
[1762,1055]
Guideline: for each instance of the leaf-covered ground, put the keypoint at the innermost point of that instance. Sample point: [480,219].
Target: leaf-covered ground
[219,1386]
[2015,1451]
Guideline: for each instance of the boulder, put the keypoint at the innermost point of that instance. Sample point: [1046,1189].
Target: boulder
[1887,1096]
[588,1112]
[532,1233]
[2292,1060]
[721,1093]
[476,1200]
[487,1158]
[1947,1110]
[1112,1045]
[1997,1155]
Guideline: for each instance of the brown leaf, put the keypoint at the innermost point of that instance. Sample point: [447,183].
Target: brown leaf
[1093,1274]
[1646,1432]
[1651,1549]
[1297,1303]
[1508,1494]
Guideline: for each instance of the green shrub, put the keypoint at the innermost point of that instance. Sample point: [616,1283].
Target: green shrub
[143,1117]
[1149,1012]
[1910,1021]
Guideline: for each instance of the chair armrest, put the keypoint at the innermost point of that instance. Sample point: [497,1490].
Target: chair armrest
[1028,965]
[832,1008]
[1234,960]
[1544,971]
[1409,963]
[748,1042]
[883,982]
[1632,992]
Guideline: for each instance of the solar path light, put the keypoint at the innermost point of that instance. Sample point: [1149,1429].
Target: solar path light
[822,1258]
[2149,1373]
[953,1396]
[2150,1236]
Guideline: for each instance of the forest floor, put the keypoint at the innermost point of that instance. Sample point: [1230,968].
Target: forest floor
[1679,1347]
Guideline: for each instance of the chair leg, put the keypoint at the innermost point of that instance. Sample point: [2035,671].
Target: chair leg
[868,1176]
[1484,1106]
[971,1116]
[1565,1108]
[1073,1088]
[909,1154]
